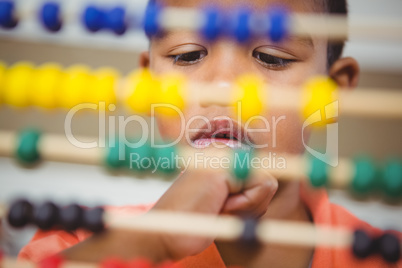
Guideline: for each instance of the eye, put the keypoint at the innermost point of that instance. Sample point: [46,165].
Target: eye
[189,57]
[270,61]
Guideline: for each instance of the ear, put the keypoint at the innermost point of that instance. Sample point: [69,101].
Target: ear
[345,72]
[144,59]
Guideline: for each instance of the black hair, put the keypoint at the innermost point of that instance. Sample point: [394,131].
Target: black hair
[335,49]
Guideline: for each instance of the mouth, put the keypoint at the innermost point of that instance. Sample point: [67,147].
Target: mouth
[222,131]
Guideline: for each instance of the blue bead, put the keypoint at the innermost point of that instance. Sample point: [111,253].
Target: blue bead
[94,18]
[213,27]
[116,20]
[242,29]
[50,16]
[151,19]
[279,24]
[7,19]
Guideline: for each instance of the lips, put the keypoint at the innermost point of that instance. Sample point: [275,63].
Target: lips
[222,131]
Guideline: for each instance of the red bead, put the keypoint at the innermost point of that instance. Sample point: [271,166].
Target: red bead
[113,263]
[1,257]
[140,263]
[54,261]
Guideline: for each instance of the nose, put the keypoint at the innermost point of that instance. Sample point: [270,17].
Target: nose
[226,61]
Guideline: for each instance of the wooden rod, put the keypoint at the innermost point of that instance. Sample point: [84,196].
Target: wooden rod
[294,167]
[228,228]
[231,228]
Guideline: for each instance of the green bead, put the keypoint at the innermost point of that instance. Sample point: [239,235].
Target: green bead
[115,157]
[364,179]
[392,179]
[139,157]
[165,159]
[27,150]
[318,173]
[241,164]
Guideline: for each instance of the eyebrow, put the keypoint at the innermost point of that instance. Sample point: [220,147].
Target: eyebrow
[305,40]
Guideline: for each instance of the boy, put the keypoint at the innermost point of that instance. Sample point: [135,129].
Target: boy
[286,64]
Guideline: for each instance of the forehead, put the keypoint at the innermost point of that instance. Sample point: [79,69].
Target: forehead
[293,5]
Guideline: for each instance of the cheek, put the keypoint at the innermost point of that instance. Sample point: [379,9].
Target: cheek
[170,128]
[282,132]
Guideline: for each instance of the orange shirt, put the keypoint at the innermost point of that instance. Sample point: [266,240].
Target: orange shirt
[45,244]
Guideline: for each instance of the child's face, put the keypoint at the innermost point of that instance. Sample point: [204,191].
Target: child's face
[285,64]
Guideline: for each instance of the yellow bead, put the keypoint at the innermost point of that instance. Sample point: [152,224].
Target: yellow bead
[317,94]
[172,95]
[141,89]
[77,83]
[48,79]
[104,88]
[18,84]
[250,97]
[3,68]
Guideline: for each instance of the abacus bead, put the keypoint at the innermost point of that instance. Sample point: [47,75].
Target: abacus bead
[318,93]
[248,237]
[143,87]
[17,84]
[20,214]
[94,18]
[27,150]
[71,217]
[115,157]
[54,261]
[46,216]
[46,84]
[93,220]
[389,247]
[166,157]
[242,29]
[78,81]
[213,26]
[250,97]
[363,245]
[116,20]
[7,19]
[392,179]
[365,176]
[151,19]
[113,263]
[50,16]
[171,95]
[318,173]
[279,24]
[140,263]
[104,87]
[241,165]
[144,155]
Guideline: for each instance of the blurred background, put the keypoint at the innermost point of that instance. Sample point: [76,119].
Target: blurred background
[381,65]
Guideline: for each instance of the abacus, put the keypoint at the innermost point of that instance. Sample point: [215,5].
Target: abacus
[51,87]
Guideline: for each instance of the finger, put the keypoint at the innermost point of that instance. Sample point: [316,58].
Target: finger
[254,199]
